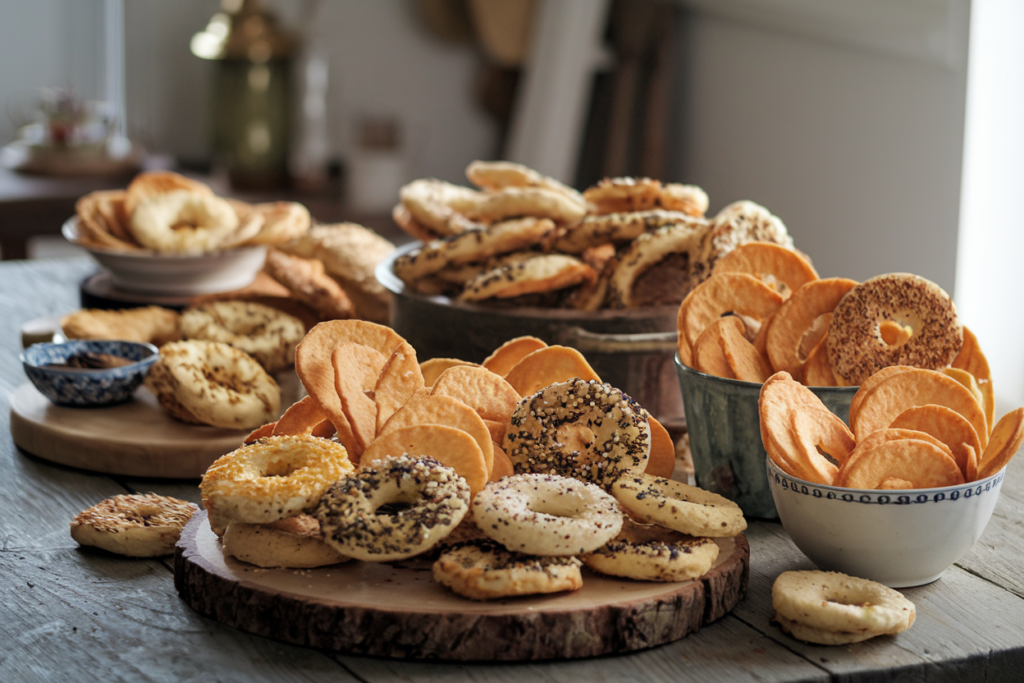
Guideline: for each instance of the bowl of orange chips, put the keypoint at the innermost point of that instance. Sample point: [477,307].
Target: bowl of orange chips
[904,491]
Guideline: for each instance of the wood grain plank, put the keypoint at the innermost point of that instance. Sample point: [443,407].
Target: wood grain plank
[78,614]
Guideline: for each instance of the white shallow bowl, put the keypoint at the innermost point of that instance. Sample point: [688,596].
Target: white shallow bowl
[147,272]
[898,538]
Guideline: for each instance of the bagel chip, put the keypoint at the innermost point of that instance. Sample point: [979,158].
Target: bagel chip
[424,409]
[746,363]
[1005,442]
[970,383]
[305,417]
[399,379]
[511,352]
[356,369]
[797,316]
[260,433]
[708,356]
[870,383]
[921,463]
[817,371]
[489,395]
[768,261]
[548,366]
[916,387]
[949,427]
[433,368]
[973,361]
[881,436]
[736,293]
[448,445]
[662,460]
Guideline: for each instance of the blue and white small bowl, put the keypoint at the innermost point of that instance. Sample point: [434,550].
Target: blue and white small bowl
[87,388]
[898,538]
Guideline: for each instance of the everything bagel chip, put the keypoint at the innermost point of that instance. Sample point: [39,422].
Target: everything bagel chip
[543,273]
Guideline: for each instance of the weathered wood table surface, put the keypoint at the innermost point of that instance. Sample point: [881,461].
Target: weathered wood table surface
[77,614]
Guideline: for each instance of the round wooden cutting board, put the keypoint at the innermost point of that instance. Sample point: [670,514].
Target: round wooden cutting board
[399,611]
[137,439]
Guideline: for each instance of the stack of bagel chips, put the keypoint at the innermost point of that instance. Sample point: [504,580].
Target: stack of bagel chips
[368,396]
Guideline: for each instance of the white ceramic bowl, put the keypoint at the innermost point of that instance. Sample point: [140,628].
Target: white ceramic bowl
[147,272]
[899,538]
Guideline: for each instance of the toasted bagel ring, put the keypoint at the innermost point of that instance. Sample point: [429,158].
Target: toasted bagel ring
[544,514]
[646,552]
[271,479]
[183,222]
[580,429]
[675,505]
[267,334]
[647,250]
[353,523]
[840,604]
[483,570]
[211,383]
[855,346]
[137,525]
[292,542]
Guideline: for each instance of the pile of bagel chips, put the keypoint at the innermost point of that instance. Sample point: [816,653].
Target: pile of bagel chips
[367,387]
[524,239]
[910,428]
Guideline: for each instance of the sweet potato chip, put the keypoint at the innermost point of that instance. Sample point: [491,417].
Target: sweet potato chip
[662,461]
[511,352]
[895,483]
[761,338]
[423,409]
[796,428]
[708,356]
[497,429]
[817,371]
[356,369]
[768,261]
[315,368]
[915,387]
[448,445]
[972,464]
[969,381]
[973,361]
[921,463]
[259,433]
[547,366]
[797,316]
[737,293]
[813,337]
[746,363]
[870,383]
[1006,440]
[399,379]
[432,369]
[881,436]
[946,425]
[305,417]
[502,464]
[488,394]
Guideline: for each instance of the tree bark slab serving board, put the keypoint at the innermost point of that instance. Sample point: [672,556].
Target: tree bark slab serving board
[137,438]
[398,611]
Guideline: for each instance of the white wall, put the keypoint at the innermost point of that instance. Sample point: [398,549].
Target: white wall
[382,63]
[856,149]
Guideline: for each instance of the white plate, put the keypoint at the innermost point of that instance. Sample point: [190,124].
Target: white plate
[147,272]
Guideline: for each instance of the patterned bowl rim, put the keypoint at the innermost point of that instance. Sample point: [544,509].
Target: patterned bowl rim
[741,383]
[849,495]
[154,354]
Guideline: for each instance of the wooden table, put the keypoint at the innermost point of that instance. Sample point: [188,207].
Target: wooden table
[77,614]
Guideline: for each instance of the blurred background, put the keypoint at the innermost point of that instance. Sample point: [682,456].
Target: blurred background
[884,133]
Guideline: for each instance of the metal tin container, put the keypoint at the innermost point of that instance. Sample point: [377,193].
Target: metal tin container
[630,349]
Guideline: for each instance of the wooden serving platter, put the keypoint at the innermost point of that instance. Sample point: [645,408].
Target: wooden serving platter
[397,611]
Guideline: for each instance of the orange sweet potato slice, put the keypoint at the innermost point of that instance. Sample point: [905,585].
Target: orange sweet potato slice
[448,445]
[399,379]
[797,316]
[502,464]
[737,293]
[511,352]
[1006,440]
[662,461]
[946,425]
[548,366]
[424,409]
[490,395]
[916,387]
